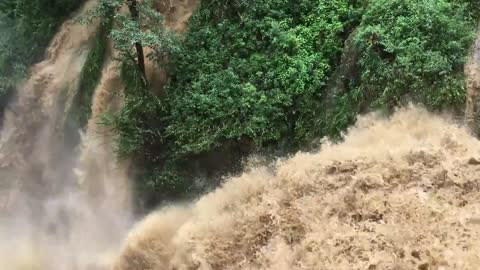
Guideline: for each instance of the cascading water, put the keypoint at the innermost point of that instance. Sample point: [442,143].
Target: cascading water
[398,193]
[61,208]
[53,216]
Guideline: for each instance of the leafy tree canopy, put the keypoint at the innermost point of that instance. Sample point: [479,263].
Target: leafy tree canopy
[415,49]
[26,27]
[250,69]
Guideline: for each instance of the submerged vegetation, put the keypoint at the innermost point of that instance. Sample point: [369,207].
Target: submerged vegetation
[247,76]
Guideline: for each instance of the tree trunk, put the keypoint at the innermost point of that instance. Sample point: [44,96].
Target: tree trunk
[132,6]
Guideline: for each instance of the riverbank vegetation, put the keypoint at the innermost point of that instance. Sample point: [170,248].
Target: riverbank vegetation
[251,77]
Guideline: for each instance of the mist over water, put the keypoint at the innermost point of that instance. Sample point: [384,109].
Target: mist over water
[61,207]
[398,193]
[65,207]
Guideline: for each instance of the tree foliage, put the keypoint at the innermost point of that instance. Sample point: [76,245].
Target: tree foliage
[244,71]
[147,31]
[80,110]
[251,75]
[26,27]
[406,51]
[415,49]
[254,74]
[253,70]
[29,26]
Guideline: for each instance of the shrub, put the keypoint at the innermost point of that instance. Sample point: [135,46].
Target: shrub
[413,49]
[253,69]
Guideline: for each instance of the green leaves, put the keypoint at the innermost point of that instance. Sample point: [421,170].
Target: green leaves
[254,75]
[81,108]
[26,27]
[160,41]
[104,10]
[242,76]
[413,48]
[148,30]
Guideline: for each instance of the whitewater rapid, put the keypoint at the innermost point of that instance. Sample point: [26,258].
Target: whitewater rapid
[65,207]
[62,207]
[398,193]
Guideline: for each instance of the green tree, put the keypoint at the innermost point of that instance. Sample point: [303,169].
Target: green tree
[246,73]
[26,27]
[130,34]
[414,49]
[253,70]
[253,75]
